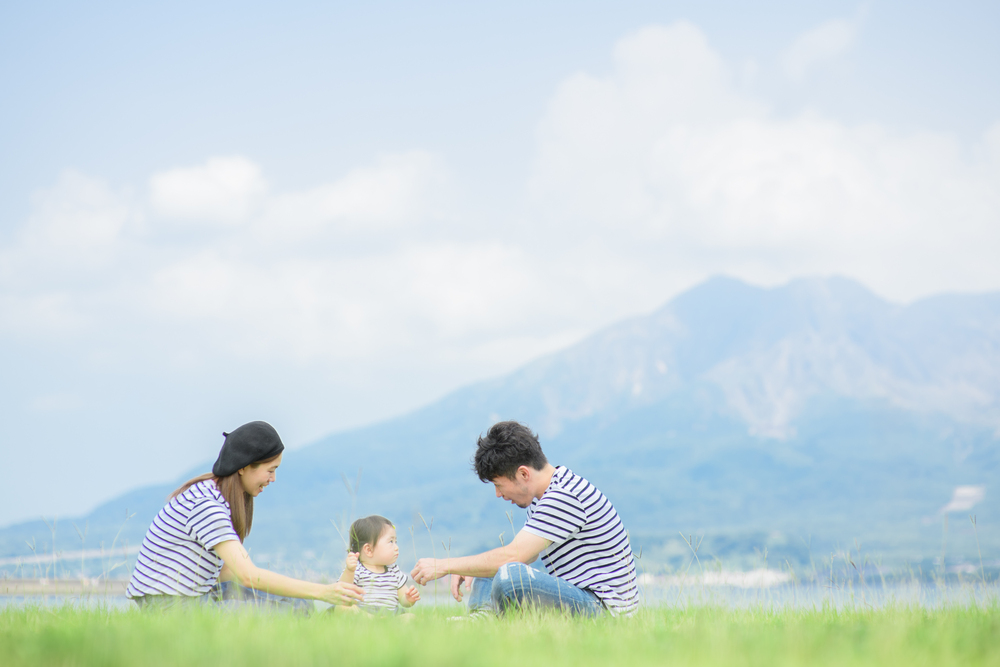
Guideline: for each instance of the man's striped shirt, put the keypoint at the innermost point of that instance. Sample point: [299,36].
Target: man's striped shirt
[590,547]
[176,557]
[381,588]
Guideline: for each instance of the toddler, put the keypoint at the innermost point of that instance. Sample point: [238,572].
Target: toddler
[371,564]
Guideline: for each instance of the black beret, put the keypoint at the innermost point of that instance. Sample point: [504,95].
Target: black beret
[256,441]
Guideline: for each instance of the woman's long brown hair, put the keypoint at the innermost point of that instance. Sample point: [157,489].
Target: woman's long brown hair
[240,502]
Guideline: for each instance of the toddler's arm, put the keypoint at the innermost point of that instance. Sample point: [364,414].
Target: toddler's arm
[408,596]
[347,576]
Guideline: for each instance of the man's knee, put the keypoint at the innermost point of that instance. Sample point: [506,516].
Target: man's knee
[512,584]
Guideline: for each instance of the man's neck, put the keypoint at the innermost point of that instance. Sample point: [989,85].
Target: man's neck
[544,479]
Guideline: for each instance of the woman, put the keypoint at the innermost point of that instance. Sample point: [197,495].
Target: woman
[196,540]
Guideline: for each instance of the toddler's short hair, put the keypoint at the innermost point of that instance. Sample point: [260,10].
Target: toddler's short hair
[367,530]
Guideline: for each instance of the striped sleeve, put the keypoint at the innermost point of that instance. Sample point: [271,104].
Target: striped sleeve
[401,577]
[210,523]
[557,516]
[176,557]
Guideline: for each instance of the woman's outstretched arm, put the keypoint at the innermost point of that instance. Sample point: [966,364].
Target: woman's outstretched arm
[242,570]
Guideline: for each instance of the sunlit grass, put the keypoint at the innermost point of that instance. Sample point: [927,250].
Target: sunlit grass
[967,635]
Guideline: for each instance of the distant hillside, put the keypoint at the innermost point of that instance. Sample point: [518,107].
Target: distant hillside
[792,420]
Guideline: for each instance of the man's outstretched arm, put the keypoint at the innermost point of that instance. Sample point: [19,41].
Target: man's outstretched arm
[524,548]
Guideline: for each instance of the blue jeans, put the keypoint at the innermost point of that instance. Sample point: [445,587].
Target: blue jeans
[517,585]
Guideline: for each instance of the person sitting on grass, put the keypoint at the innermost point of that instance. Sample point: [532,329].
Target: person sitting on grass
[371,565]
[194,547]
[574,527]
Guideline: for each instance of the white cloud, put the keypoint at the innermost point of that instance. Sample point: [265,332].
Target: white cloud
[79,213]
[28,316]
[225,190]
[645,180]
[664,77]
[665,161]
[366,306]
[291,282]
[818,46]
[397,191]
[74,236]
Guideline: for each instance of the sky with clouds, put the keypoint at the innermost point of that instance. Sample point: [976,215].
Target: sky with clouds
[324,216]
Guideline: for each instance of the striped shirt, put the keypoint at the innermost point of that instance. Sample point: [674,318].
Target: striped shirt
[176,556]
[590,547]
[381,588]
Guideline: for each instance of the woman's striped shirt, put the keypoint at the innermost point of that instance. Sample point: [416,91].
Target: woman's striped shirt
[176,556]
[381,588]
[590,547]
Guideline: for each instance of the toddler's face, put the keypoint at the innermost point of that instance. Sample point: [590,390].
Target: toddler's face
[386,551]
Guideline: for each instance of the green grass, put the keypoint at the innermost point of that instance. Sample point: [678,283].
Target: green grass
[695,636]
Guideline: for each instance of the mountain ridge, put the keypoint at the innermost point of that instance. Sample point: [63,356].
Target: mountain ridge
[743,412]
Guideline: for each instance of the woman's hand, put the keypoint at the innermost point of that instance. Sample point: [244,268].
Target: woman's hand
[248,575]
[343,594]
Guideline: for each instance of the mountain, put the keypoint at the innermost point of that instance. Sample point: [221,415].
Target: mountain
[795,421]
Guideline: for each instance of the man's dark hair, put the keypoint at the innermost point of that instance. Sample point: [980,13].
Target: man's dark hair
[506,447]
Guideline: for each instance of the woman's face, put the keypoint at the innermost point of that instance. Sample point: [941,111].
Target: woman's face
[255,477]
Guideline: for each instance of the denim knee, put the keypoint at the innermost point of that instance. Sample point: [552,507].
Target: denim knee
[511,585]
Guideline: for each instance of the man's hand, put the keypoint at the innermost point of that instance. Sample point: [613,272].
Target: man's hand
[456,585]
[427,569]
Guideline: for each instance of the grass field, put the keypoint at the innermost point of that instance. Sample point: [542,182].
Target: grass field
[968,635]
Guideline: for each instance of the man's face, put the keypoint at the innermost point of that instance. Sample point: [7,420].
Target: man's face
[514,490]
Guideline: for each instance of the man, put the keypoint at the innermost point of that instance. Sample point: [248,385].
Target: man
[570,523]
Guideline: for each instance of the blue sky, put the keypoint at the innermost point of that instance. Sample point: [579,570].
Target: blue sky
[324,215]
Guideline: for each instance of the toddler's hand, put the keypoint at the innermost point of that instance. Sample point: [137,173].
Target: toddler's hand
[412,594]
[352,562]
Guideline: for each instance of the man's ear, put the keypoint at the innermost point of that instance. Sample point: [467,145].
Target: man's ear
[523,473]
